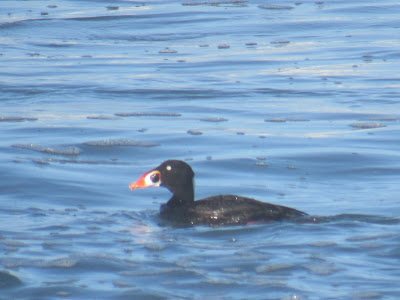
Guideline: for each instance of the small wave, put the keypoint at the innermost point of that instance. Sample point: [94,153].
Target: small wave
[55,44]
[8,280]
[62,262]
[194,132]
[224,46]
[216,119]
[275,120]
[277,7]
[120,142]
[367,125]
[345,218]
[231,3]
[16,119]
[280,42]
[58,150]
[102,117]
[291,119]
[168,51]
[147,114]
[381,118]
[78,161]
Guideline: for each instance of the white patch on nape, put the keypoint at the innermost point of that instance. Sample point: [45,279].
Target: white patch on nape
[169,168]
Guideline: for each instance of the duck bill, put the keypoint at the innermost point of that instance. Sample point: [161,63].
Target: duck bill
[147,180]
[140,183]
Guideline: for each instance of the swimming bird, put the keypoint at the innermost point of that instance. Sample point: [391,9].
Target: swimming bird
[177,176]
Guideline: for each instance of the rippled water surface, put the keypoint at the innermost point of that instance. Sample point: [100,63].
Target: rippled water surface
[294,103]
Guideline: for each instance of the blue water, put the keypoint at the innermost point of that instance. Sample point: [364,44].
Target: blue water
[293,103]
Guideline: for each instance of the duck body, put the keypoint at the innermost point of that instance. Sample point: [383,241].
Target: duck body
[219,210]
[227,210]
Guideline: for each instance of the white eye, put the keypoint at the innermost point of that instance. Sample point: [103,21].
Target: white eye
[169,168]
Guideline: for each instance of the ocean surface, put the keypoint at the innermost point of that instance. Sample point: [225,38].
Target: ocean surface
[293,103]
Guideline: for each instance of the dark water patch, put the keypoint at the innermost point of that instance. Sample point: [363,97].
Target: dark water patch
[55,150]
[54,45]
[275,120]
[104,262]
[11,25]
[280,42]
[357,8]
[166,37]
[61,291]
[367,125]
[33,54]
[64,282]
[147,114]
[169,94]
[112,7]
[8,280]
[141,17]
[49,161]
[295,119]
[369,237]
[196,109]
[163,268]
[14,93]
[167,51]
[12,244]
[120,142]
[276,7]
[381,118]
[290,92]
[122,284]
[290,119]
[221,3]
[16,119]
[110,17]
[53,228]
[102,117]
[338,116]
[41,162]
[323,268]
[275,268]
[194,132]
[62,262]
[223,46]
[56,131]
[214,119]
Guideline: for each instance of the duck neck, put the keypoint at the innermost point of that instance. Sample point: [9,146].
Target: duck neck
[182,195]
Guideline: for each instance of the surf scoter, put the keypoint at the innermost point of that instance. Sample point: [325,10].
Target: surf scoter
[177,176]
